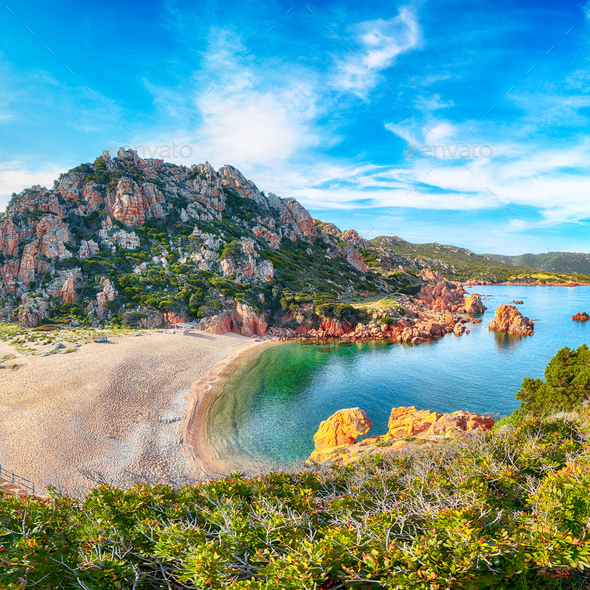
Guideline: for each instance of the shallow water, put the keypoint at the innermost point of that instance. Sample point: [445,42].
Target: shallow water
[271,405]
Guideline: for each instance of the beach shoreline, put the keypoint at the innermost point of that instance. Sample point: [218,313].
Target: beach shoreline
[194,431]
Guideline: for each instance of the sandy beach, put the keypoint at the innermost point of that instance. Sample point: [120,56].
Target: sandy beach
[113,408]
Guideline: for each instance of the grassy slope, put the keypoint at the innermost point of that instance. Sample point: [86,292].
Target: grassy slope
[561,262]
[462,264]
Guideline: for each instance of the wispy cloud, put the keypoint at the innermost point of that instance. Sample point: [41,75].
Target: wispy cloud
[376,44]
[16,175]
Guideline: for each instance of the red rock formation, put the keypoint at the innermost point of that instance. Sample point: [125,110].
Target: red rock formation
[108,293]
[331,328]
[132,204]
[170,318]
[581,317]
[342,428]
[68,294]
[32,311]
[473,304]
[424,424]
[244,320]
[508,319]
[251,322]
[273,240]
[336,437]
[439,293]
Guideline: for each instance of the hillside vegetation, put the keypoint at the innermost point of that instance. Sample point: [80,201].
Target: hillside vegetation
[560,262]
[507,510]
[451,261]
[462,265]
[136,242]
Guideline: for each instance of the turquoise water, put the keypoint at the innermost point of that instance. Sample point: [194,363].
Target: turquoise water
[271,406]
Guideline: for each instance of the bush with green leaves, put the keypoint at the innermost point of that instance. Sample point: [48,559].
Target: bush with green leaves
[508,510]
[566,386]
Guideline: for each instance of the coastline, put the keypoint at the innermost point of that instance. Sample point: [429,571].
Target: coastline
[194,430]
[469,285]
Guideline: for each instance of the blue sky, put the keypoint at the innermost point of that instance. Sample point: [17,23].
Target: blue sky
[320,102]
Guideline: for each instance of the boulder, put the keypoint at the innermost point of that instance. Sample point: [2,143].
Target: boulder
[581,317]
[342,428]
[508,319]
[473,304]
[405,422]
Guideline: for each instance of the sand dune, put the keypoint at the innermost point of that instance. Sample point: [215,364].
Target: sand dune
[113,408]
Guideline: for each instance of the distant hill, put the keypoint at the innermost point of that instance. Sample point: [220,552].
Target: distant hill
[451,261]
[565,262]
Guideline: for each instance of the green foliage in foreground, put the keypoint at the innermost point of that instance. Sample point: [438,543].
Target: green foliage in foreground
[566,386]
[506,510]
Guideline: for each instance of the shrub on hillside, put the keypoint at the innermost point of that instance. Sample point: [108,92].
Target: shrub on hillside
[566,385]
[506,510]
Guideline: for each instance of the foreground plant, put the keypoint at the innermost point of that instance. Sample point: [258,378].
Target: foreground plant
[508,510]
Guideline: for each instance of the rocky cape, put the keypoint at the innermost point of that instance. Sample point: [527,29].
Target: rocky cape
[336,438]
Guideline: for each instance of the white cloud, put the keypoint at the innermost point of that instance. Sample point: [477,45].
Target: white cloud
[245,125]
[377,43]
[15,177]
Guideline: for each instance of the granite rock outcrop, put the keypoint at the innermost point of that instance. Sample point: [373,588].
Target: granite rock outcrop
[57,243]
[508,318]
[342,428]
[407,428]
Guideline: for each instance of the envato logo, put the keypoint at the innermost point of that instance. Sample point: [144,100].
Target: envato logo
[158,150]
[443,150]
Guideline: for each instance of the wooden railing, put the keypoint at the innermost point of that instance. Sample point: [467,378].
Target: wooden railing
[11,477]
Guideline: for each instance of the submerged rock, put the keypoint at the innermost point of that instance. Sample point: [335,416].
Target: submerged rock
[508,319]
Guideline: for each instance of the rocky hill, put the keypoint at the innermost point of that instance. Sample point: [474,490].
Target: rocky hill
[562,262]
[143,243]
[453,262]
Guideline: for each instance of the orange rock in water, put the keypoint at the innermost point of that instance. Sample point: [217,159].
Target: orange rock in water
[581,317]
[473,304]
[342,428]
[508,319]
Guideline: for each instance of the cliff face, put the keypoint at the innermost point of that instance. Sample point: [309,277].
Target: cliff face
[108,233]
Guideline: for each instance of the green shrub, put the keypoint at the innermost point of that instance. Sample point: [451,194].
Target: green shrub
[566,385]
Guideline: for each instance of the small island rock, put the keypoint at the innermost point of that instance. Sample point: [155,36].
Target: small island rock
[581,317]
[473,304]
[508,319]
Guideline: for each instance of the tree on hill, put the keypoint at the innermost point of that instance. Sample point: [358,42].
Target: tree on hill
[566,385]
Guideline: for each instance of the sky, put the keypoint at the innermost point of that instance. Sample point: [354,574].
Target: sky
[456,122]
